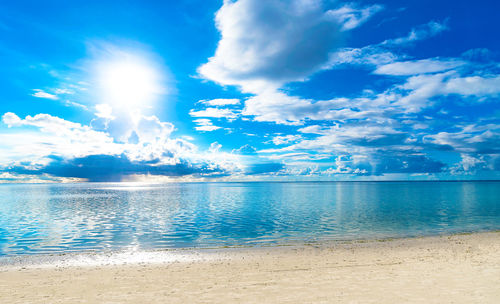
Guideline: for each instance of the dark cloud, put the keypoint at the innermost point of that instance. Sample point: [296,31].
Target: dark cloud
[107,168]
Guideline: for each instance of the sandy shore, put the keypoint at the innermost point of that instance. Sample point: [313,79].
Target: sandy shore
[446,269]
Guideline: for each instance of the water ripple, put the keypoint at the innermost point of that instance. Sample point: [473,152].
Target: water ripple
[38,219]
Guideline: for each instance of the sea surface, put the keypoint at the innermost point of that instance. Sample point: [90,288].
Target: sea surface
[101,217]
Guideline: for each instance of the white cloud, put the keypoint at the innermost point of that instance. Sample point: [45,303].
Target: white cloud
[424,66]
[469,165]
[368,55]
[351,17]
[354,138]
[265,44]
[418,91]
[221,102]
[42,94]
[214,147]
[151,129]
[205,125]
[473,85]
[104,111]
[11,120]
[57,136]
[285,139]
[422,32]
[64,92]
[471,138]
[382,53]
[54,139]
[215,113]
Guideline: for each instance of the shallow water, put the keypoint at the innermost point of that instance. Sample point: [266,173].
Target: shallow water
[60,218]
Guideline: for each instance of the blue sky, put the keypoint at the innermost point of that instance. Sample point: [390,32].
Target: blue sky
[249,90]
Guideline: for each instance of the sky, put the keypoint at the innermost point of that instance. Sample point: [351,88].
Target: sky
[249,90]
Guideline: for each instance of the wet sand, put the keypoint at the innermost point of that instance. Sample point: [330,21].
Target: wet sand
[445,269]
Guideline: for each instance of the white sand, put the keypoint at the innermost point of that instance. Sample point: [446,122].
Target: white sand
[447,269]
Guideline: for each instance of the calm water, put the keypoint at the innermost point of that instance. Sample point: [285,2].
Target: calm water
[38,219]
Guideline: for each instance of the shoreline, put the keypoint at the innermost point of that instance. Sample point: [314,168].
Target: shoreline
[191,254]
[459,268]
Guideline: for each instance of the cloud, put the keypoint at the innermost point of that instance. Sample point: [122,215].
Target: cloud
[104,111]
[60,148]
[221,102]
[422,32]
[42,94]
[113,168]
[215,113]
[246,149]
[479,55]
[285,139]
[351,17]
[366,135]
[271,104]
[472,138]
[151,129]
[265,44]
[418,91]
[214,147]
[469,165]
[57,135]
[423,66]
[11,120]
[205,125]
[371,55]
[363,165]
[383,53]
[473,85]
[345,164]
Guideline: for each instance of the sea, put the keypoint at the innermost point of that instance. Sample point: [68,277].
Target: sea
[37,219]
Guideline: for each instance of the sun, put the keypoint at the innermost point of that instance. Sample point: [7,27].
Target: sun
[128,81]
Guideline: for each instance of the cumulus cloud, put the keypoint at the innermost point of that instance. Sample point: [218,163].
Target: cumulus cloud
[469,164]
[65,149]
[265,44]
[151,129]
[65,137]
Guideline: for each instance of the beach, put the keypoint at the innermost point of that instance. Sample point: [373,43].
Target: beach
[461,268]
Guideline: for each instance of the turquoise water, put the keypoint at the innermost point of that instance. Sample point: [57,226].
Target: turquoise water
[57,218]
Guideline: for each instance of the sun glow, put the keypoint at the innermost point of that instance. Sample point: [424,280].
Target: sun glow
[128,81]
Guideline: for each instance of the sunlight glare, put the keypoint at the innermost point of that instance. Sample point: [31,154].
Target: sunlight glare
[128,81]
